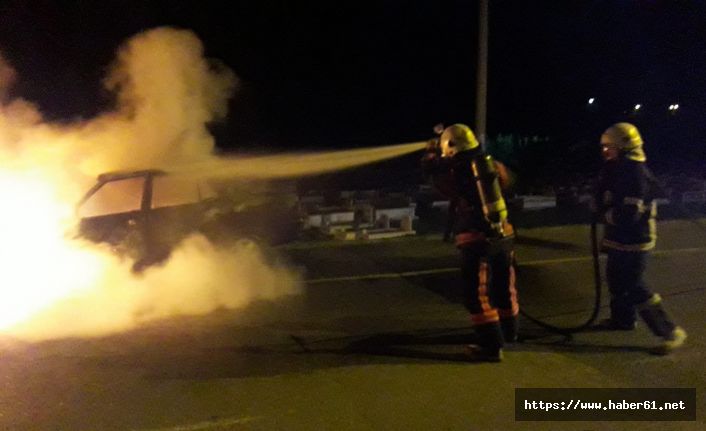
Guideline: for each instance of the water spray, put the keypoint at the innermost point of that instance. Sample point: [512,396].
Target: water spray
[287,165]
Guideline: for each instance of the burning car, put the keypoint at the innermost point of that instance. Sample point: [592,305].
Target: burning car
[143,215]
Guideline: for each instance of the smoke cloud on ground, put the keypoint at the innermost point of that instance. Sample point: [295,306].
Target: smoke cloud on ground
[198,279]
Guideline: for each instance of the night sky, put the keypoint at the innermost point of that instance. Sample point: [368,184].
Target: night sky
[359,73]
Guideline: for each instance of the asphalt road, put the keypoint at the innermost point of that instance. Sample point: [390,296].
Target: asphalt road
[375,342]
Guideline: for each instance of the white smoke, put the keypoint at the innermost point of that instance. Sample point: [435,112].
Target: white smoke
[199,278]
[167,93]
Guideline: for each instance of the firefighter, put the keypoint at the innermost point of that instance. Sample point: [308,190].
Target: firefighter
[628,210]
[461,170]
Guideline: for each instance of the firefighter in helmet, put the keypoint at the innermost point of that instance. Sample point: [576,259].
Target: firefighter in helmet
[465,173]
[627,208]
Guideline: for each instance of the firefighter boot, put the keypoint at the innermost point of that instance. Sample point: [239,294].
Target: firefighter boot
[661,325]
[671,342]
[490,343]
[509,326]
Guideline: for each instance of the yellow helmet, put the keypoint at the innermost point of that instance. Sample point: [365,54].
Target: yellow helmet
[625,138]
[455,139]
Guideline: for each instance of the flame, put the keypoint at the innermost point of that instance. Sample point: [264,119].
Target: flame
[39,263]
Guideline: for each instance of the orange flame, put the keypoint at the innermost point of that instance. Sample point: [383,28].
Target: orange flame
[39,264]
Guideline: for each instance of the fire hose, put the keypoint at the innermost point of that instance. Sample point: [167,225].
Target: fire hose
[569,330]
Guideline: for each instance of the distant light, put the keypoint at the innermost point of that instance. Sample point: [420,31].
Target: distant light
[591,100]
[674,107]
[671,107]
[637,107]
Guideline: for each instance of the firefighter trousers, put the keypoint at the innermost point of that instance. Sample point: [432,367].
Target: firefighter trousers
[488,277]
[629,292]
[626,283]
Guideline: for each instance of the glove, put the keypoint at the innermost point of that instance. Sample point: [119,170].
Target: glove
[433,147]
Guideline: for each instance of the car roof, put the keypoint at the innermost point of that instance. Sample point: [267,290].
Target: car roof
[121,175]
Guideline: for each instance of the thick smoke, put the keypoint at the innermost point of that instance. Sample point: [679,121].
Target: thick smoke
[166,93]
[198,279]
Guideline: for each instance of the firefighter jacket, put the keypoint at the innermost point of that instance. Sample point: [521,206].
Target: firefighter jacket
[626,203]
[454,178]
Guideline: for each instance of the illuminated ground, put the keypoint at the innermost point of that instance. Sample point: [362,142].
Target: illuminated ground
[377,353]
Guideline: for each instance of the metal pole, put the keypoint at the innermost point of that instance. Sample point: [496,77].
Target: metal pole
[482,71]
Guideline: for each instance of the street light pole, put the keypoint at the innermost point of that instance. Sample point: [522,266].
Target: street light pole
[482,71]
